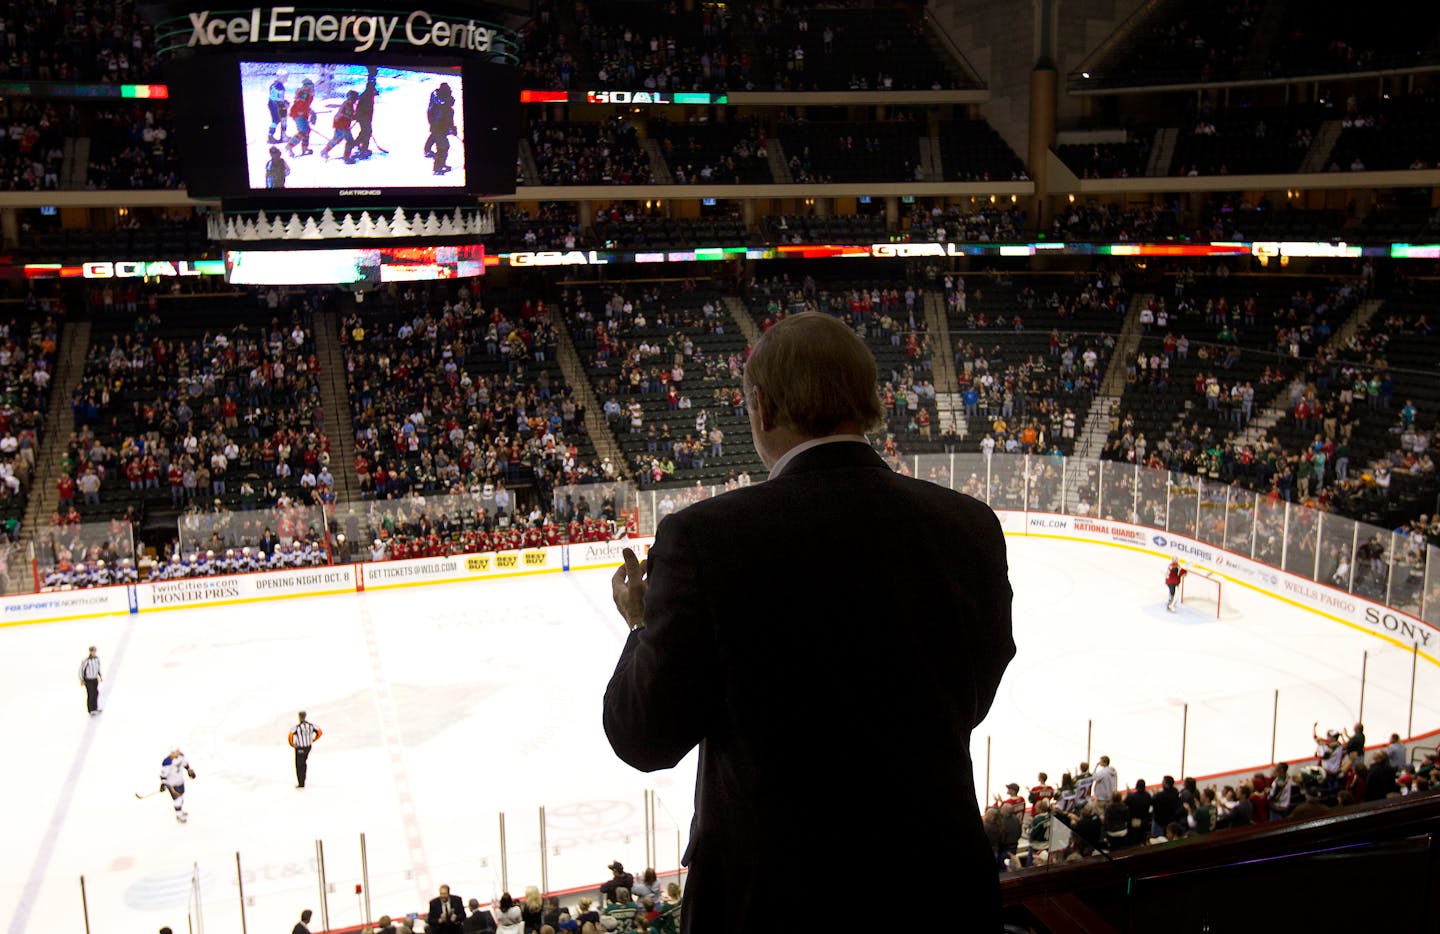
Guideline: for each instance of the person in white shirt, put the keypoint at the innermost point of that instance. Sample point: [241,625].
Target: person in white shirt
[1106,783]
[173,771]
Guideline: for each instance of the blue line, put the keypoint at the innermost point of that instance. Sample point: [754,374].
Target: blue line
[21,919]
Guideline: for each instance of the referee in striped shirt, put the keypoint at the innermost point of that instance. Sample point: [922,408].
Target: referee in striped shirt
[302,738]
[90,678]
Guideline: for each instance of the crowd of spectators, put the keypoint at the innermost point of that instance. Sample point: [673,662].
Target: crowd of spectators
[1184,42]
[130,147]
[889,315]
[1024,395]
[168,416]
[1004,223]
[606,153]
[671,51]
[1307,457]
[32,152]
[825,152]
[448,395]
[419,526]
[669,375]
[722,153]
[1334,37]
[1111,222]
[1091,811]
[76,40]
[27,363]
[1109,160]
[552,226]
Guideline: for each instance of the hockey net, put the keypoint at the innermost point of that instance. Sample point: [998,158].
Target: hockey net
[1201,590]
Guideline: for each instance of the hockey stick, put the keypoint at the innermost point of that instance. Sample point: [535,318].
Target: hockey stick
[141,797]
[376,143]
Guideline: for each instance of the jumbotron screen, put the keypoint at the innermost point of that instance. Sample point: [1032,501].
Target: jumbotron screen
[348,126]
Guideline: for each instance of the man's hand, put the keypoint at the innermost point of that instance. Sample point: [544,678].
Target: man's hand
[628,589]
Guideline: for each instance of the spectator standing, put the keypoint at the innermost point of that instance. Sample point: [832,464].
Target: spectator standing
[510,921]
[1395,753]
[1164,805]
[619,878]
[303,925]
[446,913]
[1381,782]
[479,922]
[1106,783]
[690,671]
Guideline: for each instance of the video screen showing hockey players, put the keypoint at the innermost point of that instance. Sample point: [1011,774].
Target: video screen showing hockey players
[332,125]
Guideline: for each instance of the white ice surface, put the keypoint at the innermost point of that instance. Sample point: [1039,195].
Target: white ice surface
[445,706]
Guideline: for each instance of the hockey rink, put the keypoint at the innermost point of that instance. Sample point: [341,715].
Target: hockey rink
[444,706]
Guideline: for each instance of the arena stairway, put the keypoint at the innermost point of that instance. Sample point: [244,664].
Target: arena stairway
[1268,417]
[947,387]
[70,366]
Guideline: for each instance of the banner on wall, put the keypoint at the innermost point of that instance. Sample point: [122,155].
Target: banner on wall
[64,604]
[240,588]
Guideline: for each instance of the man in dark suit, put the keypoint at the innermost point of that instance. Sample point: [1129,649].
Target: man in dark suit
[829,638]
[447,912]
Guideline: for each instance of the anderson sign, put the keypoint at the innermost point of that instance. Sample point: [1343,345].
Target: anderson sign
[362,32]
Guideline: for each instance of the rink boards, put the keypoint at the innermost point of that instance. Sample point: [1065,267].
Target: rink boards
[145,597]
[1377,619]
[1381,621]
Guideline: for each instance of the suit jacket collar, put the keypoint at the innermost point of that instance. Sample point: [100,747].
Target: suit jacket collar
[836,454]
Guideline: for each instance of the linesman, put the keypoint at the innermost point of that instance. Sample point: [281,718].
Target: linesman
[302,738]
[90,678]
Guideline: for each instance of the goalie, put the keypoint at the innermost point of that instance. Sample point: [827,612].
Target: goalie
[1173,574]
[173,772]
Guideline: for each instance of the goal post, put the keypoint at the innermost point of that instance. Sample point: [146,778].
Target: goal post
[1202,589]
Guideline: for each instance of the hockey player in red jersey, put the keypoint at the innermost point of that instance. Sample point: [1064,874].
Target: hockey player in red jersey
[1173,574]
[302,113]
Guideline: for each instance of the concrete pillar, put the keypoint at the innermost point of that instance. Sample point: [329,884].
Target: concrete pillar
[1044,85]
[747,212]
[824,207]
[892,213]
[586,210]
[10,228]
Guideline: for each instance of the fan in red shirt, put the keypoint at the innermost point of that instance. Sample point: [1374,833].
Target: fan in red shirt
[1043,791]
[1173,574]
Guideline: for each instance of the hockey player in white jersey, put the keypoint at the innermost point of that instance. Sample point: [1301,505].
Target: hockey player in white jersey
[173,772]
